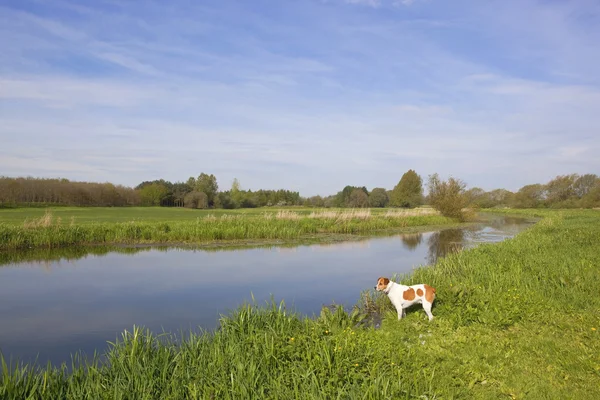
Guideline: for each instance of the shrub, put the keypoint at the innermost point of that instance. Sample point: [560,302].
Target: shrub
[448,197]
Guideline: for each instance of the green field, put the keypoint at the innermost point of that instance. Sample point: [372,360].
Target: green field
[518,319]
[59,227]
[92,215]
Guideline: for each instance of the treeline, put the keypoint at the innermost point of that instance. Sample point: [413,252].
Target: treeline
[36,191]
[203,192]
[407,193]
[565,191]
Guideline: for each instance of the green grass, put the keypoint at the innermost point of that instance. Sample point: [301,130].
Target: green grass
[25,228]
[518,319]
[94,215]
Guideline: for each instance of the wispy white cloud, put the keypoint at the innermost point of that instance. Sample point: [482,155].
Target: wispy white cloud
[404,2]
[370,3]
[326,93]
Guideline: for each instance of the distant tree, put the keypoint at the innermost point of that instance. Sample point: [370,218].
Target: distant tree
[330,201]
[409,191]
[236,193]
[249,199]
[529,196]
[207,184]
[378,198]
[191,182]
[500,197]
[162,182]
[316,201]
[592,198]
[342,199]
[448,197]
[476,197]
[223,200]
[358,198]
[584,184]
[153,194]
[560,189]
[180,189]
[196,200]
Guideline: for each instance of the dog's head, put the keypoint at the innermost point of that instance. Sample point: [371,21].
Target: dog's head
[382,284]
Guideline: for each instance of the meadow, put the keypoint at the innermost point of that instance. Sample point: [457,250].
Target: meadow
[60,227]
[517,319]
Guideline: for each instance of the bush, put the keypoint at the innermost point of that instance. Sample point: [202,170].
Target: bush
[449,198]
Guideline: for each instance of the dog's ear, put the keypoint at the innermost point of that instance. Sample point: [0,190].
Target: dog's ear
[386,281]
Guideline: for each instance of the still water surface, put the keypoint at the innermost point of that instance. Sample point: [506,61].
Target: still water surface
[51,309]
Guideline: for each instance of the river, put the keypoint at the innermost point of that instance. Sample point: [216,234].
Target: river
[53,307]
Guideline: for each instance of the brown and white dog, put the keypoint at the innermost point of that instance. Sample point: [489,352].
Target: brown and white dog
[403,296]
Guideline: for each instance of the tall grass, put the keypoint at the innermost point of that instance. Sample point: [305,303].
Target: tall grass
[286,225]
[518,319]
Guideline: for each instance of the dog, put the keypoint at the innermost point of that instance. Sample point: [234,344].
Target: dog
[403,296]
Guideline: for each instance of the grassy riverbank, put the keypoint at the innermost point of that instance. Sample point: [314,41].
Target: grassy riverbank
[518,319]
[58,228]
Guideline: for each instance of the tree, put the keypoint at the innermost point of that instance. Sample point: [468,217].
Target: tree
[180,189]
[224,200]
[584,184]
[358,198]
[592,197]
[342,199]
[236,193]
[529,196]
[560,189]
[501,197]
[449,198]
[196,200]
[153,194]
[316,201]
[477,197]
[378,198]
[409,191]
[207,184]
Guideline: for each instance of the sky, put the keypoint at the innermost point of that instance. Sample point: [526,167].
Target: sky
[305,95]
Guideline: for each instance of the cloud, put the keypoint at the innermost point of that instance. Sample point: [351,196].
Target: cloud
[327,94]
[404,2]
[370,3]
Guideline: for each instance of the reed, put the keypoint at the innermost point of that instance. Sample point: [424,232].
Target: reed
[50,232]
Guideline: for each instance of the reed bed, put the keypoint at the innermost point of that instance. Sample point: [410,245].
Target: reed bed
[284,225]
[517,319]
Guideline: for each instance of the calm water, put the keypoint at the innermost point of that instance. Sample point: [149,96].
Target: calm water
[51,309]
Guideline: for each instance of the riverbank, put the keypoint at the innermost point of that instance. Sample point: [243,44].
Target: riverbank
[236,228]
[516,319]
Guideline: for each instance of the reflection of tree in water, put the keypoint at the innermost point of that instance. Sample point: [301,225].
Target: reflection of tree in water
[445,242]
[411,241]
[508,224]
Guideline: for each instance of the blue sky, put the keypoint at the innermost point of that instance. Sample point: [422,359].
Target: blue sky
[307,95]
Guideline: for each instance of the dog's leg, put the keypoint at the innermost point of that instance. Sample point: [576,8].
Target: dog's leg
[427,308]
[400,313]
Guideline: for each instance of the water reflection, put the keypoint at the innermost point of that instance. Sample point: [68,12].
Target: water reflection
[444,242]
[411,240]
[55,302]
